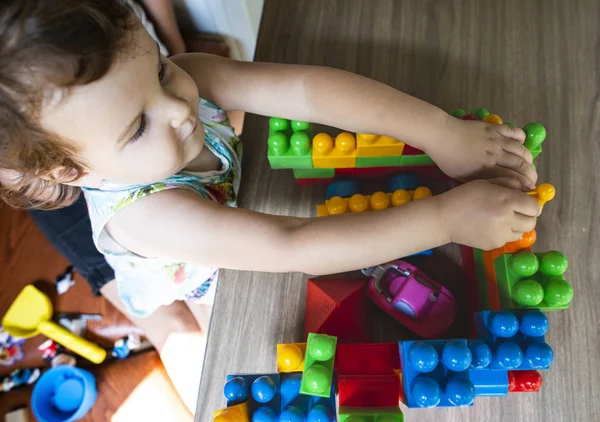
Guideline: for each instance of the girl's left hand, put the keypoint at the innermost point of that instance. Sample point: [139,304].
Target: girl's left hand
[468,150]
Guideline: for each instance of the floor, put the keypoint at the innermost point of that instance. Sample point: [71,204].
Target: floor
[535,60]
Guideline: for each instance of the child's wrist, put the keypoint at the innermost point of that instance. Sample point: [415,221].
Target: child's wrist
[437,133]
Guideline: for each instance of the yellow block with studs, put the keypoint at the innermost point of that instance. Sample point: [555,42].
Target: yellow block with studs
[290,357]
[377,146]
[340,154]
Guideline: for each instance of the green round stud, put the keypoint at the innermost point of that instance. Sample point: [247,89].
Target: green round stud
[480,113]
[528,293]
[278,124]
[535,135]
[554,263]
[458,113]
[317,379]
[298,125]
[523,264]
[322,347]
[558,292]
[300,143]
[278,144]
[511,124]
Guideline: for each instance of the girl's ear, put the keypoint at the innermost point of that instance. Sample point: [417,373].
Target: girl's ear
[87,178]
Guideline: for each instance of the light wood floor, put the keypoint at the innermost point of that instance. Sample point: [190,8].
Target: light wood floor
[525,60]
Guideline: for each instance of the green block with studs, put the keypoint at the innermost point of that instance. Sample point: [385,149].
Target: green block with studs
[416,160]
[365,162]
[317,374]
[313,173]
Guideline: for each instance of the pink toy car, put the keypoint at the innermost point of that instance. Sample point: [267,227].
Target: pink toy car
[416,301]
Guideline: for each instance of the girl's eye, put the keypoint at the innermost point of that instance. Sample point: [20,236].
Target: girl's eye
[162,71]
[141,129]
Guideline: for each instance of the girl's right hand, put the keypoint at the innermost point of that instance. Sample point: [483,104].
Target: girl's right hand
[487,214]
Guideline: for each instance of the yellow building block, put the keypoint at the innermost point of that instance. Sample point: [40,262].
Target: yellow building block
[340,154]
[543,193]
[237,413]
[290,357]
[377,146]
[375,202]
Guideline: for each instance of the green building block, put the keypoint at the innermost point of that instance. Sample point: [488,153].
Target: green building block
[364,162]
[528,280]
[535,133]
[370,414]
[481,280]
[535,151]
[313,173]
[317,374]
[480,113]
[416,160]
[289,152]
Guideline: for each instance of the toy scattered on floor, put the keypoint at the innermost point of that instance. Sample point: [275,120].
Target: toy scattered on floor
[31,313]
[418,302]
[64,282]
[10,348]
[50,349]
[63,394]
[76,323]
[132,343]
[19,378]
[63,359]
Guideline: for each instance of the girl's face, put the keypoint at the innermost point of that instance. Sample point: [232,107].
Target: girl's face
[138,124]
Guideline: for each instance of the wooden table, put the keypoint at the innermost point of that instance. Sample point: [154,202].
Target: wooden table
[524,60]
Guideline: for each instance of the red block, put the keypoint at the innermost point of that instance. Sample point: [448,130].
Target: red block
[524,381]
[369,390]
[367,359]
[310,182]
[468,264]
[408,150]
[368,171]
[337,307]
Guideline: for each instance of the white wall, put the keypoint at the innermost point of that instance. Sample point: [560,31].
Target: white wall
[238,20]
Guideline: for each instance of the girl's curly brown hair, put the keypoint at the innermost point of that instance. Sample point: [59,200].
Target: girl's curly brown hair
[45,46]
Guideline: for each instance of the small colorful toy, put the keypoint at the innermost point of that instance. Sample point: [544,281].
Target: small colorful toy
[317,373]
[418,302]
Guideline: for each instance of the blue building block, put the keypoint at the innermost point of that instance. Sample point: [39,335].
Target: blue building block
[406,181]
[427,252]
[343,188]
[435,373]
[262,392]
[488,382]
[516,339]
[297,407]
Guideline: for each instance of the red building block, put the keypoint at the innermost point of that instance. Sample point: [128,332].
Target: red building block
[369,390]
[468,264]
[337,307]
[524,381]
[408,150]
[367,359]
[310,182]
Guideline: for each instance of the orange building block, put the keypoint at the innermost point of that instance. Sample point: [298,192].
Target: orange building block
[377,146]
[238,413]
[290,357]
[327,154]
[375,202]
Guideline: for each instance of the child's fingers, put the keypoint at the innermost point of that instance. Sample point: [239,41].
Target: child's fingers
[518,149]
[511,180]
[511,132]
[523,223]
[522,167]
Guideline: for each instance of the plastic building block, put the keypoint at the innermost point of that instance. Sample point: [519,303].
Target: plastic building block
[377,146]
[318,365]
[278,124]
[260,391]
[289,152]
[469,117]
[493,118]
[237,413]
[312,173]
[416,160]
[458,113]
[528,280]
[408,181]
[296,407]
[290,357]
[337,307]
[524,381]
[327,154]
[408,150]
[543,193]
[369,390]
[435,373]
[480,113]
[535,134]
[391,161]
[315,181]
[426,172]
[377,201]
[489,383]
[366,414]
[516,339]
[367,359]
[343,188]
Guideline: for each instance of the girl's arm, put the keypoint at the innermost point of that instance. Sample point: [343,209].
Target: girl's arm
[182,225]
[464,150]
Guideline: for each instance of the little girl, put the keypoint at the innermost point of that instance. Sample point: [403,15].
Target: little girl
[87,102]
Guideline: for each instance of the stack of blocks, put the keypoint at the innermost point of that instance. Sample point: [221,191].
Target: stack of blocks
[321,158]
[507,289]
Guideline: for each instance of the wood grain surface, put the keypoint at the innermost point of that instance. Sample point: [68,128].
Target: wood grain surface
[526,60]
